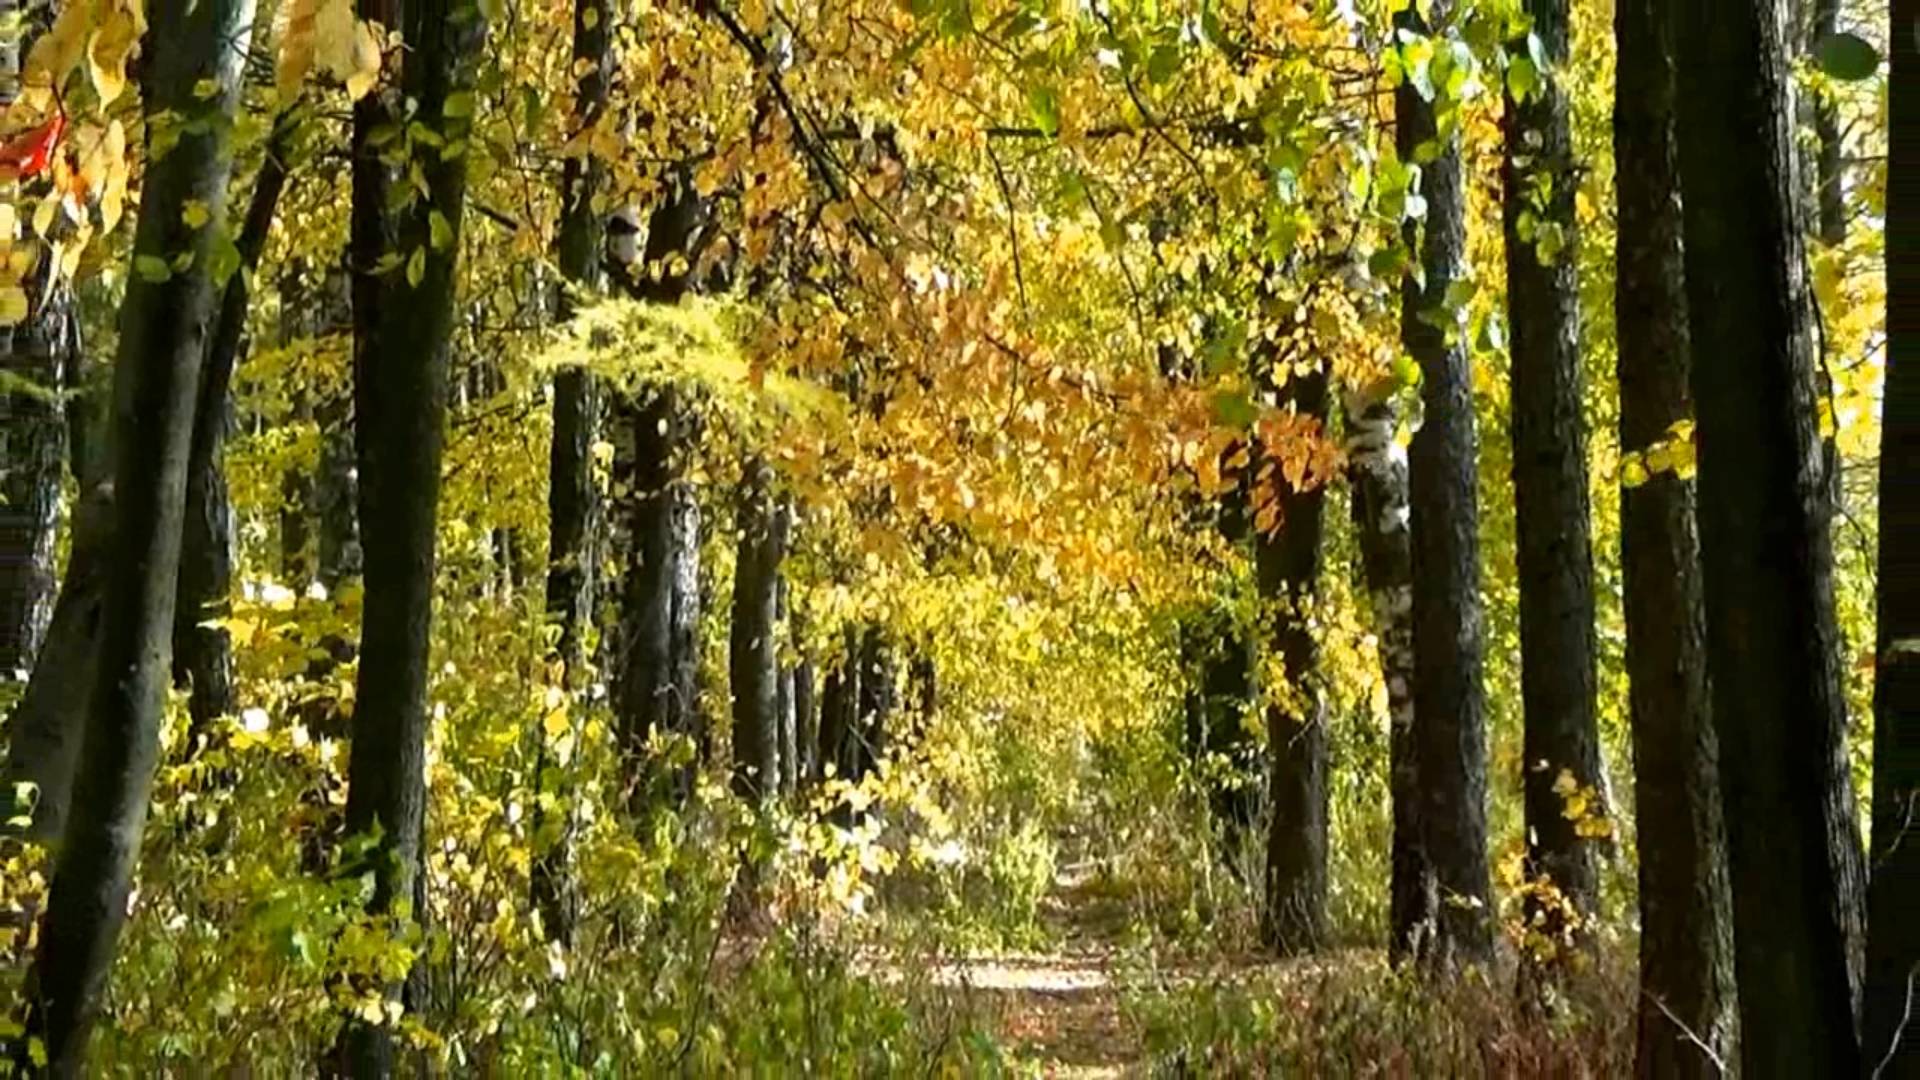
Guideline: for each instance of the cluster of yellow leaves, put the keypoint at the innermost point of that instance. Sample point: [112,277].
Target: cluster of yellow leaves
[325,35]
[78,149]
[1673,454]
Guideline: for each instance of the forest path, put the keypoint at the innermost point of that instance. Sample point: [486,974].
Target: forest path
[1059,1011]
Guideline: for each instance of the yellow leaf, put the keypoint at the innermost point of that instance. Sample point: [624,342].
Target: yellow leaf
[334,33]
[296,48]
[107,52]
[194,214]
[13,305]
[365,73]
[58,51]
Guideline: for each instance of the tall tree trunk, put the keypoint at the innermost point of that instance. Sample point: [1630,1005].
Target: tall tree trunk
[873,722]
[1449,698]
[163,333]
[839,713]
[34,368]
[1562,737]
[339,554]
[1686,928]
[1893,944]
[49,723]
[661,603]
[784,707]
[36,361]
[752,656]
[203,653]
[572,499]
[1793,847]
[402,324]
[660,606]
[806,723]
[1288,566]
[1378,474]
[1830,196]
[1227,694]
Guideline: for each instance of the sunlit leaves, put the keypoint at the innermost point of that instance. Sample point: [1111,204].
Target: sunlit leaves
[324,35]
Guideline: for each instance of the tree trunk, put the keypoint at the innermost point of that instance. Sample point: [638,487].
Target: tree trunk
[1378,474]
[806,724]
[1793,846]
[1294,919]
[203,654]
[752,654]
[1449,698]
[1830,196]
[1686,930]
[873,722]
[784,704]
[35,358]
[572,498]
[1562,737]
[402,323]
[839,712]
[163,334]
[36,365]
[1892,1034]
[48,725]
[660,606]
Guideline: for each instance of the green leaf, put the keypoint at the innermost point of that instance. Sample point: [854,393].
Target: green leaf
[1522,78]
[1847,57]
[416,266]
[1234,409]
[440,232]
[1163,64]
[223,258]
[1387,263]
[1044,104]
[460,105]
[152,268]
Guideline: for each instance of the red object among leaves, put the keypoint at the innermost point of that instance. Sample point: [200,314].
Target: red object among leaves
[30,153]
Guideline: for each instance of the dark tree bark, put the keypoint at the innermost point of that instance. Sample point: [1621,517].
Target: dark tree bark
[571,496]
[402,324]
[163,334]
[203,654]
[660,604]
[839,712]
[47,727]
[339,555]
[1294,919]
[1449,698]
[1829,197]
[787,719]
[1892,1021]
[753,656]
[35,361]
[572,499]
[1552,521]
[1378,474]
[1217,723]
[1767,557]
[36,365]
[1686,927]
[873,726]
[660,608]
[806,723]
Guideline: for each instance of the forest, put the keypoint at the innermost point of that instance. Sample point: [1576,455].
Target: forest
[605,538]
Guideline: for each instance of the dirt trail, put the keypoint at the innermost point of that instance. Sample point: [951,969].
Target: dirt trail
[1059,1011]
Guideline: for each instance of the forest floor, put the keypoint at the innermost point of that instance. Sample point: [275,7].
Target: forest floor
[1060,1010]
